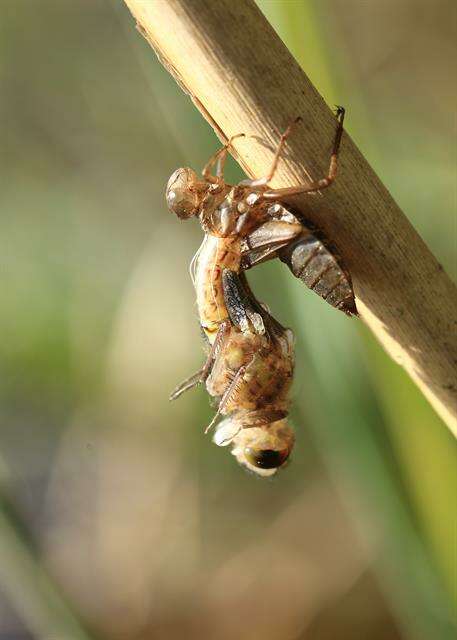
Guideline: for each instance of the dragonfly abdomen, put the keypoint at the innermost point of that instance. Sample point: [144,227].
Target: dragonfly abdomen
[310,260]
[217,254]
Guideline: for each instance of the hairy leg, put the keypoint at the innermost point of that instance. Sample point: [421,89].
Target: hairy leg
[260,182]
[219,157]
[202,375]
[317,185]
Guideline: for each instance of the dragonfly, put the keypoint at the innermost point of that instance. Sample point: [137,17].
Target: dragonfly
[243,225]
[249,371]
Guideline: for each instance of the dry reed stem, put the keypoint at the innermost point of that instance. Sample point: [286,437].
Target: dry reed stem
[240,75]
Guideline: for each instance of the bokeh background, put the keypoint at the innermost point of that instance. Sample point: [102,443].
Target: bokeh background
[119,520]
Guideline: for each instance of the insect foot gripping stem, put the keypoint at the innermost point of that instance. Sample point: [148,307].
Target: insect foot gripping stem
[263,450]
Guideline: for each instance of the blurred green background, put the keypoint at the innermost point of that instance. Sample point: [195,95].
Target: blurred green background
[119,519]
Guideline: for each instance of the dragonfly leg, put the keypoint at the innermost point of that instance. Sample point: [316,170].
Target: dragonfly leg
[230,392]
[260,182]
[190,382]
[317,185]
[218,159]
[263,417]
[202,374]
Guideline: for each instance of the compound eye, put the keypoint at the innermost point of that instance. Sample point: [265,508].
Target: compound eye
[266,458]
[181,199]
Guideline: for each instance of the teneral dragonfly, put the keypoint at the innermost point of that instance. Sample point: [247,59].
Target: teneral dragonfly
[249,372]
[245,224]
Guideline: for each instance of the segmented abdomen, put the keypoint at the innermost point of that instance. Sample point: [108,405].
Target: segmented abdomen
[310,260]
[215,255]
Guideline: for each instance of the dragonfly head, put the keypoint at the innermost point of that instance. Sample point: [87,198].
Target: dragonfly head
[262,450]
[182,195]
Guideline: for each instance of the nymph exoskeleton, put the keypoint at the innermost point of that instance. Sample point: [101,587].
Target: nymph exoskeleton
[257,227]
